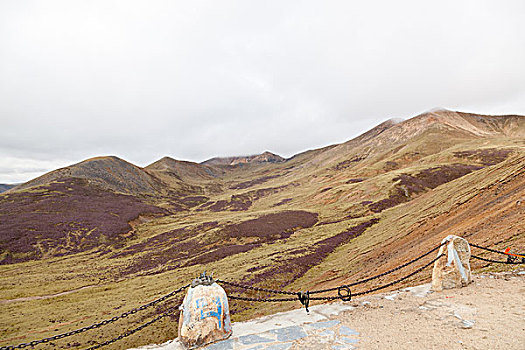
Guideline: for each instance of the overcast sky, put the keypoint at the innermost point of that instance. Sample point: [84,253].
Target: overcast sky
[197,79]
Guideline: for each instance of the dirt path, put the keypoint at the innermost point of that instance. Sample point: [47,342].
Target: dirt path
[41,297]
[488,314]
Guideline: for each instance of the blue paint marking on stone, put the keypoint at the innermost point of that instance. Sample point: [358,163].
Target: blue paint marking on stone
[222,345]
[289,333]
[282,346]
[254,339]
[344,330]
[349,340]
[327,333]
[201,303]
[324,324]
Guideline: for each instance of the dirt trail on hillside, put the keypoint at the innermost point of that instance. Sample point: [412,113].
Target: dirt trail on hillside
[41,297]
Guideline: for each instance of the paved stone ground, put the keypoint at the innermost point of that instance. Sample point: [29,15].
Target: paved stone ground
[488,314]
[283,330]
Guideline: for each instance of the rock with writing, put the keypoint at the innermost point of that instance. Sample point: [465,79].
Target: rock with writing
[454,270]
[205,316]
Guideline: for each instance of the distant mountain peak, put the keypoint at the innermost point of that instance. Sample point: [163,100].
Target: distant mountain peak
[396,120]
[181,169]
[102,158]
[474,124]
[265,157]
[437,110]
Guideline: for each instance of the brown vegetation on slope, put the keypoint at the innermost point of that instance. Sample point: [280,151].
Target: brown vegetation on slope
[65,217]
[187,247]
[408,185]
[485,156]
[312,255]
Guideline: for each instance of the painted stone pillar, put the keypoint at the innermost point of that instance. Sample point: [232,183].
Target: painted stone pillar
[205,315]
[454,271]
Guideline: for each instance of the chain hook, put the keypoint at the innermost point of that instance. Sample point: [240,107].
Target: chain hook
[304,298]
[510,259]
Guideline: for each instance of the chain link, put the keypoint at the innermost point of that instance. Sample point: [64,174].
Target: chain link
[402,278]
[384,273]
[343,286]
[275,291]
[508,261]
[487,249]
[95,325]
[132,331]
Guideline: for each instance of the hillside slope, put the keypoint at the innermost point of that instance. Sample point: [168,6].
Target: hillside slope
[111,173]
[319,219]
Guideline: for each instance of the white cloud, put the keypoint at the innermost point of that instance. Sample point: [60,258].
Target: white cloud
[15,170]
[195,79]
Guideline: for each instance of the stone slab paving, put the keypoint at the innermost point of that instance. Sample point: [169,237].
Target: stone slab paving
[284,330]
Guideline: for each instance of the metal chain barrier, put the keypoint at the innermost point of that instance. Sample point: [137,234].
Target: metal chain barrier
[403,278]
[132,331]
[275,291]
[487,249]
[511,260]
[95,325]
[386,272]
[244,286]
[344,292]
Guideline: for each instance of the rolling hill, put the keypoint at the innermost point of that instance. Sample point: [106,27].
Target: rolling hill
[110,173]
[318,219]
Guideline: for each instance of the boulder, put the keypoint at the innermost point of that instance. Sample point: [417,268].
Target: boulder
[205,315]
[454,270]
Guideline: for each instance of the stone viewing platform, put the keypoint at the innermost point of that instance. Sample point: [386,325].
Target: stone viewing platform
[489,313]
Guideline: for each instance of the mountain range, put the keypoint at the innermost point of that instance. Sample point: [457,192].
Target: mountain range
[318,219]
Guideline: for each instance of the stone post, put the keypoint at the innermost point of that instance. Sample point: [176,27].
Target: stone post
[453,272]
[205,315]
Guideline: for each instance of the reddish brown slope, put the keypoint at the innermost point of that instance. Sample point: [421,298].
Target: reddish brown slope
[426,134]
[486,207]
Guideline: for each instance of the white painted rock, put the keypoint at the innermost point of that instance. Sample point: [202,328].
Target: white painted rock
[454,271]
[205,316]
